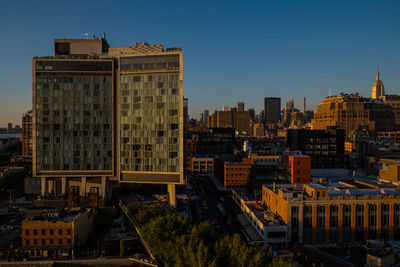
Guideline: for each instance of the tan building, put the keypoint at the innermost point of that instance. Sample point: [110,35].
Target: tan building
[27,136]
[202,165]
[348,210]
[232,118]
[55,233]
[348,112]
[258,129]
[390,170]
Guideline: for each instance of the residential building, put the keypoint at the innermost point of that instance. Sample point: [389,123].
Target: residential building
[27,136]
[342,211]
[237,173]
[55,233]
[201,165]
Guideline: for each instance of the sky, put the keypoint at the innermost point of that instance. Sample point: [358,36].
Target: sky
[233,50]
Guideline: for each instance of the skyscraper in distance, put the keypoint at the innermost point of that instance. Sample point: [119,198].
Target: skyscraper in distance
[304,107]
[377,88]
[240,106]
[272,110]
[205,116]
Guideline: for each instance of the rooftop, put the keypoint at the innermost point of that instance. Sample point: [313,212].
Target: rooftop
[65,214]
[340,187]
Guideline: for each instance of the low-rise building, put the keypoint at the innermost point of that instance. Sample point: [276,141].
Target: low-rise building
[390,170]
[55,233]
[345,210]
[202,165]
[237,173]
[268,229]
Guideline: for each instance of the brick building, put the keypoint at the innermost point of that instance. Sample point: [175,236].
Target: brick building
[347,210]
[55,233]
[300,169]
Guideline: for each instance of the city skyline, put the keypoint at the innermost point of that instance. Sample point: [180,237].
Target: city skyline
[253,42]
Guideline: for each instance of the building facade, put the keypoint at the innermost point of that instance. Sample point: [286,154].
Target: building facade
[73,118]
[300,169]
[346,211]
[272,110]
[95,122]
[349,112]
[325,147]
[55,233]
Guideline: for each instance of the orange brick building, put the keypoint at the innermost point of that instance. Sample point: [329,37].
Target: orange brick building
[300,169]
[237,173]
[55,233]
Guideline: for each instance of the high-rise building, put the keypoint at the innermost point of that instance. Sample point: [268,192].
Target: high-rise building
[9,127]
[240,106]
[304,107]
[27,136]
[73,115]
[95,122]
[272,110]
[377,88]
[150,111]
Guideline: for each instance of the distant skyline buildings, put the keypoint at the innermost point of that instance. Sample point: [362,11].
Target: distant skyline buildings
[301,55]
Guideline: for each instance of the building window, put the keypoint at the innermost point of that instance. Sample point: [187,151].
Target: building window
[43,241]
[321,216]
[68,231]
[60,241]
[43,231]
[334,216]
[60,231]
[69,240]
[52,241]
[27,232]
[52,231]
[35,232]
[27,242]
[35,241]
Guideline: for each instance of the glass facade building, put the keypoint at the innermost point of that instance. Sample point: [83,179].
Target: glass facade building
[151,127]
[74,115]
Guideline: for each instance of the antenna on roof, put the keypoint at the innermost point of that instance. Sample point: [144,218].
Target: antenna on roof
[330,92]
[87,36]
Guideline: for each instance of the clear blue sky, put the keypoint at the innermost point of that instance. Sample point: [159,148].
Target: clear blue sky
[233,50]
